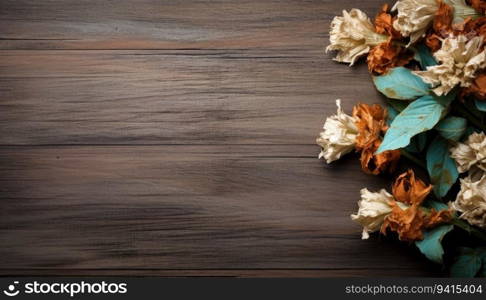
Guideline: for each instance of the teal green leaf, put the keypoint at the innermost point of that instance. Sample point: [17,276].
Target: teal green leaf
[468,263]
[452,128]
[401,83]
[431,245]
[392,113]
[419,116]
[441,167]
[424,57]
[480,105]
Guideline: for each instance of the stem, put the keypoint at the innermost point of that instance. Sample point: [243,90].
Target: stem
[412,158]
[472,230]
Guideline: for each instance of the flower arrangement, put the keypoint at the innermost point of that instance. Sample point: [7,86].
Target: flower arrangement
[428,58]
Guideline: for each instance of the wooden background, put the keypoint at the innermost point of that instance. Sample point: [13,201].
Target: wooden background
[176,138]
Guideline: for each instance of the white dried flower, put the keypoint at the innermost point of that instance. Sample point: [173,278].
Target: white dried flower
[373,209]
[339,135]
[459,59]
[414,17]
[353,35]
[471,153]
[471,200]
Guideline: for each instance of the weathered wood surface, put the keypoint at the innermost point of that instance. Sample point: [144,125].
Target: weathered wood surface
[175,138]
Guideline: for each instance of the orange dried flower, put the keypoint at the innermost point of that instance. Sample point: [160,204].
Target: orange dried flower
[477,89]
[409,219]
[437,217]
[375,164]
[441,27]
[410,222]
[386,56]
[472,28]
[410,190]
[384,23]
[371,123]
[479,5]
[443,18]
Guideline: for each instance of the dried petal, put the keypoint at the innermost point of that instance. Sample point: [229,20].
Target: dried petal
[414,17]
[479,5]
[386,56]
[373,208]
[371,123]
[339,135]
[477,89]
[353,35]
[471,200]
[375,164]
[460,58]
[408,223]
[470,153]
[443,18]
[437,217]
[410,190]
[384,23]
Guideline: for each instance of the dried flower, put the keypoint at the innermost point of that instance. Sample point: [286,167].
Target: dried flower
[339,135]
[473,27]
[471,200]
[371,123]
[384,23]
[373,208]
[441,26]
[410,222]
[479,5]
[386,56]
[410,190]
[471,153]
[414,17]
[460,59]
[477,89]
[375,164]
[353,35]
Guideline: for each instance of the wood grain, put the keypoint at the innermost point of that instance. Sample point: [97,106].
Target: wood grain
[167,97]
[184,207]
[156,24]
[175,138]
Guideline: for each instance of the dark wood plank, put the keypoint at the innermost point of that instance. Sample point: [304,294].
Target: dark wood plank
[210,108]
[187,207]
[157,24]
[172,97]
[265,273]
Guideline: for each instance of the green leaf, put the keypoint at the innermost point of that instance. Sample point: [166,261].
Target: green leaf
[431,245]
[452,128]
[392,113]
[468,263]
[401,83]
[419,116]
[480,105]
[441,167]
[424,57]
